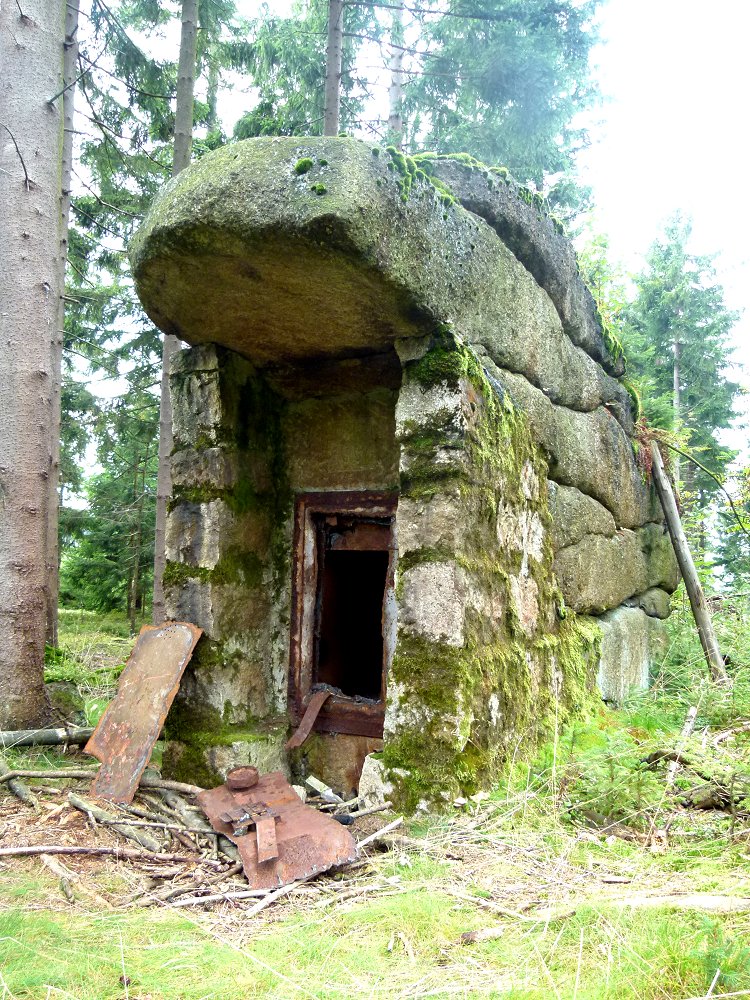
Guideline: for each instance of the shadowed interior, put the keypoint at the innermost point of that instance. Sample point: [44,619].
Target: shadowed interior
[350,639]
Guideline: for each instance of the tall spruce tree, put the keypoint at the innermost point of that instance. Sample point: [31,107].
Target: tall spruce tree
[31,132]
[504,81]
[679,325]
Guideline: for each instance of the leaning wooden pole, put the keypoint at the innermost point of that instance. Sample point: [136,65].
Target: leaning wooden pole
[687,568]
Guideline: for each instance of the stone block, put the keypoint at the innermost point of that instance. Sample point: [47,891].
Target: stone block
[214,468]
[631,642]
[575,515]
[589,451]
[599,573]
[431,602]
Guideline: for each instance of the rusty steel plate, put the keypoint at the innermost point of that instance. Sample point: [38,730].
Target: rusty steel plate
[307,841]
[130,726]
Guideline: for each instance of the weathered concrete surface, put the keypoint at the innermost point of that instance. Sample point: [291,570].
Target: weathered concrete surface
[575,515]
[599,573]
[631,642]
[241,250]
[343,441]
[533,238]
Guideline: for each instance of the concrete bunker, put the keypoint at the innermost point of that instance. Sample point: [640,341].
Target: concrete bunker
[403,469]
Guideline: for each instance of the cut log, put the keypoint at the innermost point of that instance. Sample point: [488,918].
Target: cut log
[687,568]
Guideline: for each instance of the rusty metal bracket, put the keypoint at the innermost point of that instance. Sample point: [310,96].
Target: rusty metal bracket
[302,731]
[125,737]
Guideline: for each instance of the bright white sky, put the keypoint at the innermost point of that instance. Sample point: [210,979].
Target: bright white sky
[673,135]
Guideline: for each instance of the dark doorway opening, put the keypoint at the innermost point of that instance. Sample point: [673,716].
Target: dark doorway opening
[343,624]
[349,611]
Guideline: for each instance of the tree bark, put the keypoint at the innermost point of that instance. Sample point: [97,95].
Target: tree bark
[676,401]
[70,65]
[334,48]
[396,85]
[183,139]
[31,56]
[687,568]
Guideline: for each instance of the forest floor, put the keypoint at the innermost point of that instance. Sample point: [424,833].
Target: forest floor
[582,875]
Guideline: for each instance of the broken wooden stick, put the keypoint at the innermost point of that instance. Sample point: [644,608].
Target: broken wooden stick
[119,825]
[67,877]
[43,737]
[219,897]
[165,896]
[380,833]
[693,586]
[122,853]
[19,789]
[147,780]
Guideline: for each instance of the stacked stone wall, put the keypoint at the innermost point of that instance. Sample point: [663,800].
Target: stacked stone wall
[613,556]
[484,660]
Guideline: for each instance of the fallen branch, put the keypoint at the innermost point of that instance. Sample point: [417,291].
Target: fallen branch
[693,586]
[218,897]
[193,886]
[21,791]
[122,827]
[370,810]
[147,780]
[124,853]
[276,894]
[66,772]
[380,833]
[44,737]
[67,876]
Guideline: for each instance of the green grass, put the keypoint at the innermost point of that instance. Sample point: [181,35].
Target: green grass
[404,946]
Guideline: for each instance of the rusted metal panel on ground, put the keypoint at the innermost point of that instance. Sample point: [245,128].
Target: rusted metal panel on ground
[307,841]
[127,731]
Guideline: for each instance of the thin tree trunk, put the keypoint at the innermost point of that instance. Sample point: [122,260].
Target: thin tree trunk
[212,92]
[687,568]
[676,402]
[396,86]
[70,64]
[183,138]
[135,558]
[31,57]
[334,49]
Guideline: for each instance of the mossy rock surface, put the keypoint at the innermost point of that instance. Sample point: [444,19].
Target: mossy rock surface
[244,250]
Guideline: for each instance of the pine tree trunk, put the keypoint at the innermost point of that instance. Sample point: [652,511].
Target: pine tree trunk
[183,138]
[333,67]
[212,90]
[676,404]
[31,57]
[396,86]
[70,65]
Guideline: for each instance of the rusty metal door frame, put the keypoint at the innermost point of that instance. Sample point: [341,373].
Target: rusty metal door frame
[339,714]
